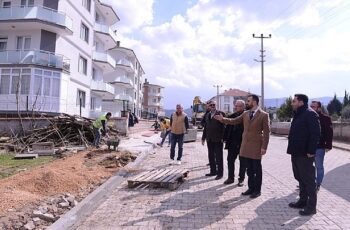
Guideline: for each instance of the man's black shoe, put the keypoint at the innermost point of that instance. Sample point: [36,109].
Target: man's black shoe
[307,212]
[229,181]
[298,204]
[210,174]
[218,177]
[255,195]
[240,184]
[247,193]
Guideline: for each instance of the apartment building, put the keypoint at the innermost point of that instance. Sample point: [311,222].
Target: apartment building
[153,99]
[225,101]
[56,57]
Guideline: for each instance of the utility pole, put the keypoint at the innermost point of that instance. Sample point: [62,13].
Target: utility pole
[262,37]
[217,95]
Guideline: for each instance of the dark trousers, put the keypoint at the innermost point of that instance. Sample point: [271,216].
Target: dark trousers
[97,136]
[232,153]
[216,161]
[167,132]
[254,171]
[304,173]
[179,139]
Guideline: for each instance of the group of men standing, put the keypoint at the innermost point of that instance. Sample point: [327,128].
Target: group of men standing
[246,135]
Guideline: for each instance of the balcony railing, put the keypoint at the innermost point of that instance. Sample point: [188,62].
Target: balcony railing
[34,57]
[36,12]
[102,86]
[106,30]
[123,97]
[124,79]
[103,57]
[125,62]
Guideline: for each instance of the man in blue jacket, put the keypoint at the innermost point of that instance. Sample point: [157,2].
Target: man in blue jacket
[303,139]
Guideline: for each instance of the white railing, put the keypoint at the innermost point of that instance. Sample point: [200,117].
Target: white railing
[102,86]
[123,97]
[103,57]
[36,12]
[124,79]
[35,57]
[125,62]
[106,30]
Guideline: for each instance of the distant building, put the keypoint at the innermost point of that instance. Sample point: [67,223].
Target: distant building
[228,97]
[152,99]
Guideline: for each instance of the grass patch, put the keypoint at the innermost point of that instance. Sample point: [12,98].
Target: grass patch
[9,166]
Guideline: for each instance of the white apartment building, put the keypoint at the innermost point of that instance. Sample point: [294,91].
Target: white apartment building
[55,57]
[225,101]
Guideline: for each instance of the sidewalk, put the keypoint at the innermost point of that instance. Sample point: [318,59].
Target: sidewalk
[204,203]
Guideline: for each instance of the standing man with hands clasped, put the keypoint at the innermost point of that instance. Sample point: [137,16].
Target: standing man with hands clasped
[255,140]
[213,133]
[303,138]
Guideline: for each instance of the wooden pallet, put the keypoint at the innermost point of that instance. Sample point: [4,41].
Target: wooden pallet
[160,178]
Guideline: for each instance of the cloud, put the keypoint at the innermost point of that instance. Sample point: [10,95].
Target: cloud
[211,43]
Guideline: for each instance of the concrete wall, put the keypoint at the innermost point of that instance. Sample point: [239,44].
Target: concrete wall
[341,130]
[121,124]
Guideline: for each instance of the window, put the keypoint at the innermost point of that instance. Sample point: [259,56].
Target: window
[94,77]
[87,4]
[227,99]
[93,103]
[84,32]
[154,100]
[3,43]
[37,85]
[227,108]
[55,87]
[6,4]
[25,84]
[5,84]
[82,65]
[28,3]
[46,86]
[23,43]
[97,17]
[15,84]
[81,98]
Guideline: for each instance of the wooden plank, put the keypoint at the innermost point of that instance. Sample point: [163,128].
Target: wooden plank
[146,175]
[139,175]
[166,175]
[180,174]
[174,172]
[153,175]
[150,175]
[158,175]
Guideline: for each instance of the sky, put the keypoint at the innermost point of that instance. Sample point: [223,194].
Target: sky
[188,46]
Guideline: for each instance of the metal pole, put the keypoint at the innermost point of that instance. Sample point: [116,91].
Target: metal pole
[262,72]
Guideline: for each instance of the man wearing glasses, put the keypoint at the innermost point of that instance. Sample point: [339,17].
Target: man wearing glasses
[213,133]
[255,140]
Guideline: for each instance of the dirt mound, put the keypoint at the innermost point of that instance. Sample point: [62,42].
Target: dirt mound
[64,175]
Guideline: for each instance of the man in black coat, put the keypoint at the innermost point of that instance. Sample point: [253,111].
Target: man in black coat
[233,140]
[213,133]
[303,139]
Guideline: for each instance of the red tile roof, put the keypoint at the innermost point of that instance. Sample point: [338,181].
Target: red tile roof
[235,93]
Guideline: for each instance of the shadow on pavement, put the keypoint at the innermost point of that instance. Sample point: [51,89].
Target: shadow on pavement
[196,210]
[337,181]
[275,214]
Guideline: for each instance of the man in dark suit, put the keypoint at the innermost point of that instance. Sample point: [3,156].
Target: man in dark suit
[213,133]
[303,138]
[233,140]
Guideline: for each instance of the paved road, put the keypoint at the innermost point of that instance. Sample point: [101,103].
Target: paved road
[203,203]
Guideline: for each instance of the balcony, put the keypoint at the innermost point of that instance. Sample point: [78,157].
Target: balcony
[125,65]
[39,17]
[108,12]
[102,88]
[106,34]
[123,97]
[103,60]
[35,57]
[123,81]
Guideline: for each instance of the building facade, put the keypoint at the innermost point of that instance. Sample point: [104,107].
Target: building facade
[225,101]
[153,99]
[56,57]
